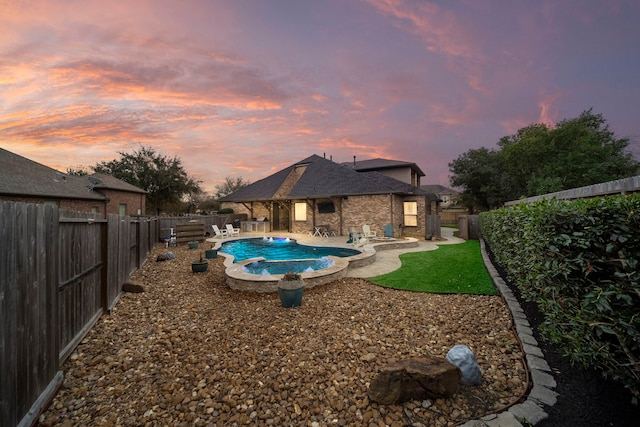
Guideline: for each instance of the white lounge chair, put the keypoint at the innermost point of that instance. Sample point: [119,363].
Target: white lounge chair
[367,233]
[232,231]
[219,234]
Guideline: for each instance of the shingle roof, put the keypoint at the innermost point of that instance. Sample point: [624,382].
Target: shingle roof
[108,182]
[20,176]
[321,178]
[378,164]
[438,189]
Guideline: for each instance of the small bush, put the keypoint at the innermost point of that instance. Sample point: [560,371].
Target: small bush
[225,211]
[578,260]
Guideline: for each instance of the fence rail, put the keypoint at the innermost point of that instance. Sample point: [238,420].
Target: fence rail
[59,272]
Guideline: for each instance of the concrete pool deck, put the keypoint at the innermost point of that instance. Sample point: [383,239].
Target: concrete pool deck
[378,257]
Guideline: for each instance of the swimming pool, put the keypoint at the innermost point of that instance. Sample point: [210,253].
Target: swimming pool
[280,249]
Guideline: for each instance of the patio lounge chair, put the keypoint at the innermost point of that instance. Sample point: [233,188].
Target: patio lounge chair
[367,233]
[232,231]
[219,234]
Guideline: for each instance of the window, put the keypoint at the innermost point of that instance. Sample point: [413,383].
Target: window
[122,209]
[326,207]
[95,209]
[300,211]
[410,214]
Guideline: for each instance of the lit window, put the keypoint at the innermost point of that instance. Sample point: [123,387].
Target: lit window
[300,211]
[410,214]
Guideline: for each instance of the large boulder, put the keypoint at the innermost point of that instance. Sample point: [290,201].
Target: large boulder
[462,356]
[419,378]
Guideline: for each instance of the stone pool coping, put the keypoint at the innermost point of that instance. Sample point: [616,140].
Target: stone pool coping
[239,280]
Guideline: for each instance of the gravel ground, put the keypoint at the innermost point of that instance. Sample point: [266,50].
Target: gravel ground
[190,351]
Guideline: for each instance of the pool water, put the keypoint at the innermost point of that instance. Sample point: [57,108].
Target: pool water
[279,248]
[282,267]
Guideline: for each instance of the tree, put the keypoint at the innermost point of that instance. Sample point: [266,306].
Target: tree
[77,171]
[539,159]
[164,178]
[230,185]
[477,171]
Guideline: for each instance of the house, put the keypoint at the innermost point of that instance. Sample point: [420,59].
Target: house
[403,171]
[320,192]
[447,203]
[23,180]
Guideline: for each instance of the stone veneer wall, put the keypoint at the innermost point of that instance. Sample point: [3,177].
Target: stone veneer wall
[352,212]
[374,210]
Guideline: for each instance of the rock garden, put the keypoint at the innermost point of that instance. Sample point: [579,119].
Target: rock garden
[190,351]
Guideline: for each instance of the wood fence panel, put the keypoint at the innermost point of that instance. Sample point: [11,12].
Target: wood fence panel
[433,227]
[28,296]
[469,227]
[463,227]
[113,259]
[474,227]
[80,279]
[134,235]
[59,271]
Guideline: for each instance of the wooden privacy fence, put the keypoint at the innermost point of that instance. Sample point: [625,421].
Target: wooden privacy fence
[469,227]
[59,272]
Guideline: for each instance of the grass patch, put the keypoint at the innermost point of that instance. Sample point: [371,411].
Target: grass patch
[450,269]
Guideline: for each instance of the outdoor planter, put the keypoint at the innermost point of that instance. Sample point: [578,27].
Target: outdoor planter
[199,266]
[290,290]
[193,245]
[211,253]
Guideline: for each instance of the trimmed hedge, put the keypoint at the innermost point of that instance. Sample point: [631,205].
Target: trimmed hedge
[578,260]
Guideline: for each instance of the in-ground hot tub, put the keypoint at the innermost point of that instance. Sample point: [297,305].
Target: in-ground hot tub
[261,261]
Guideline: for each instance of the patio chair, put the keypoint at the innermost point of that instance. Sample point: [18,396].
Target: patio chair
[355,237]
[232,231]
[219,234]
[367,233]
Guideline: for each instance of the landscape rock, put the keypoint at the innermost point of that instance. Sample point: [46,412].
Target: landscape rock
[418,378]
[133,287]
[461,356]
[190,347]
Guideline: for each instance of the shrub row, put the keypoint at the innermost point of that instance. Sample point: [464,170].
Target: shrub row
[578,260]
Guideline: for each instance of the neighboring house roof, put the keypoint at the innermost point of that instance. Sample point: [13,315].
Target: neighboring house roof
[379,164]
[438,189]
[108,182]
[316,177]
[20,176]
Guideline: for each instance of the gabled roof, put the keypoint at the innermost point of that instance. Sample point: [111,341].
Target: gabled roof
[379,164]
[438,189]
[108,182]
[316,177]
[20,176]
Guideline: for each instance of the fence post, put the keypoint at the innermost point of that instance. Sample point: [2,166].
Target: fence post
[104,272]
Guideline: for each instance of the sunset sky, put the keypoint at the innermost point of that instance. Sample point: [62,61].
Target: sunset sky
[244,88]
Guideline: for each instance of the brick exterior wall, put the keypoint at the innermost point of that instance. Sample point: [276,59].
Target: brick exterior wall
[134,201]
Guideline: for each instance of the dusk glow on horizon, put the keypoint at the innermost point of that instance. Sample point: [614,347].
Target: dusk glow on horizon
[246,88]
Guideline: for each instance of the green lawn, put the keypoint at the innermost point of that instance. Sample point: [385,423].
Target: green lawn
[450,269]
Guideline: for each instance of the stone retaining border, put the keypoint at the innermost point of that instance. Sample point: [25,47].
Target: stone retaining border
[531,411]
